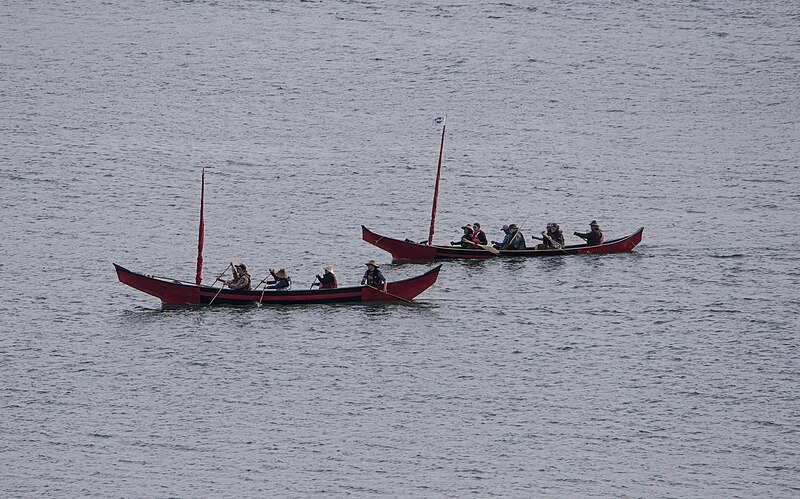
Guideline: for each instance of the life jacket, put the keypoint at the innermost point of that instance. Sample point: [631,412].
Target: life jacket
[602,238]
[476,236]
[375,278]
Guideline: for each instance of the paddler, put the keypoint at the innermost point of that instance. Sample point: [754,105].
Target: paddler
[282,281]
[374,277]
[594,236]
[327,280]
[241,279]
[478,235]
[466,238]
[553,238]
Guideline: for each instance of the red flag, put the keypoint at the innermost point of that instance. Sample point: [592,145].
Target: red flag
[201,236]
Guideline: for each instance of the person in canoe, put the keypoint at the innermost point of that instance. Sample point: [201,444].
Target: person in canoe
[327,280]
[282,280]
[466,238]
[516,241]
[553,238]
[501,244]
[478,235]
[240,279]
[373,277]
[594,236]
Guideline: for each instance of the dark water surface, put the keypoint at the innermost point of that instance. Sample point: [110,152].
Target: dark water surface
[671,371]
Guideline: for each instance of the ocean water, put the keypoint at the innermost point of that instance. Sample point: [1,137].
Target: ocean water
[670,371]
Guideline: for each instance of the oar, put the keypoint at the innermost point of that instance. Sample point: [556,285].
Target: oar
[223,284]
[388,293]
[215,296]
[490,249]
[263,281]
[312,283]
[223,272]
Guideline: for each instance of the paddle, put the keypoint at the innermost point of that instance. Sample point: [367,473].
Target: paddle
[223,272]
[223,284]
[490,249]
[313,282]
[215,296]
[388,293]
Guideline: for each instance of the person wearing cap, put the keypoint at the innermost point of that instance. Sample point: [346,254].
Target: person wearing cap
[241,279]
[478,235]
[514,239]
[501,245]
[517,240]
[282,280]
[553,238]
[466,238]
[594,236]
[327,280]
[373,277]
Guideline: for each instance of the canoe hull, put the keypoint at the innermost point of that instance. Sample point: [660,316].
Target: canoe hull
[174,292]
[404,250]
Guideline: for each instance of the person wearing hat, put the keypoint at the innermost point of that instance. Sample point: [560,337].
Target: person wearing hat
[241,279]
[327,280]
[594,236]
[516,241]
[373,277]
[282,280]
[466,238]
[553,238]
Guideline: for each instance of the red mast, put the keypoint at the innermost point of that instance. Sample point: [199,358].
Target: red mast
[200,236]
[438,176]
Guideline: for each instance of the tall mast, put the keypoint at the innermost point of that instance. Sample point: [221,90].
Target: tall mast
[201,234]
[436,189]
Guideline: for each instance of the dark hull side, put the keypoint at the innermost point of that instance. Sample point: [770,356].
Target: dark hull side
[171,291]
[404,250]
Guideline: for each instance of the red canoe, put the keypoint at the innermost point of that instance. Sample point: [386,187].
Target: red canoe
[405,250]
[175,292]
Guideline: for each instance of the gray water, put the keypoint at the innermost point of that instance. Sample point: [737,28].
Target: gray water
[667,372]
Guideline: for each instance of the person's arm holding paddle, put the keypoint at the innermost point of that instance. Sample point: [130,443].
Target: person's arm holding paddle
[373,277]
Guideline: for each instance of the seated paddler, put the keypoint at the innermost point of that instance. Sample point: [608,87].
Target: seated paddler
[594,236]
[552,238]
[478,235]
[516,241]
[374,277]
[466,238]
[327,280]
[282,280]
[241,279]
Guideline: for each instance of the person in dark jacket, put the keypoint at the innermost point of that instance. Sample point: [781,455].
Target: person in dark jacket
[282,280]
[516,241]
[241,279]
[506,238]
[553,238]
[373,277]
[327,280]
[466,238]
[594,236]
[478,235]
